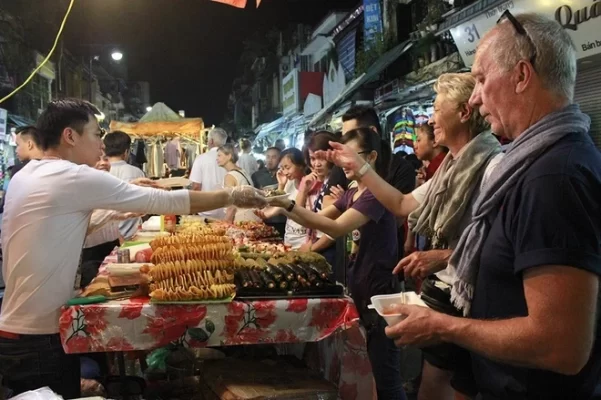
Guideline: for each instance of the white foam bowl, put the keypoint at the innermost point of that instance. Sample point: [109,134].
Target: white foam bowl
[381,302]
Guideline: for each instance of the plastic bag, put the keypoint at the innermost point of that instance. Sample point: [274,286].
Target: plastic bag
[156,360]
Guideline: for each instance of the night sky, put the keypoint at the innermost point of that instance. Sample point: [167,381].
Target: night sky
[187,49]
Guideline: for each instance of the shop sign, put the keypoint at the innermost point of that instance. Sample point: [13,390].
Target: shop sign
[47,70]
[372,20]
[581,19]
[3,118]
[333,83]
[290,93]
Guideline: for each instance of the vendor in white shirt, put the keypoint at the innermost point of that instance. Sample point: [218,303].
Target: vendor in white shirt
[206,175]
[46,217]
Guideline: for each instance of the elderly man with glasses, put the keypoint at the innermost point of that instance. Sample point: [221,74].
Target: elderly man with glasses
[528,265]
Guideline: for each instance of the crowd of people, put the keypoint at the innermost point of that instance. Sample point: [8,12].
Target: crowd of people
[507,242]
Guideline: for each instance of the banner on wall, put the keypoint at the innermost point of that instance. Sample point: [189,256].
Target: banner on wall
[372,20]
[581,19]
[3,118]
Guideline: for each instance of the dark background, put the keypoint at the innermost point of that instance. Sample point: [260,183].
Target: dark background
[188,50]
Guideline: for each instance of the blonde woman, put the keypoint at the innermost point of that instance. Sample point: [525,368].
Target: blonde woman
[439,210]
[236,176]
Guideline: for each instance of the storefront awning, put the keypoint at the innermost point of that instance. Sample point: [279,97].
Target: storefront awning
[274,126]
[372,73]
[295,125]
[467,13]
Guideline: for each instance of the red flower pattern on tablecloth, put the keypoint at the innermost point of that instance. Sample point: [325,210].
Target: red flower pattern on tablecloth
[235,314]
[297,305]
[170,323]
[133,308]
[66,318]
[119,344]
[249,322]
[95,319]
[78,344]
[327,317]
[348,391]
[265,313]
[286,336]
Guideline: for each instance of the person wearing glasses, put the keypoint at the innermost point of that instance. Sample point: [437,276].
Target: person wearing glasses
[439,210]
[528,265]
[373,229]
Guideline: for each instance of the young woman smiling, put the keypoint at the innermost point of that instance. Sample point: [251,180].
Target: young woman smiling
[290,174]
[374,232]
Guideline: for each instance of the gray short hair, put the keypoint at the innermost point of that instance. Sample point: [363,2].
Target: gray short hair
[555,61]
[219,136]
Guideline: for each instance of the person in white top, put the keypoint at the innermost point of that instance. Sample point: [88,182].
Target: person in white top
[236,176]
[46,217]
[117,146]
[291,172]
[442,207]
[206,175]
[246,160]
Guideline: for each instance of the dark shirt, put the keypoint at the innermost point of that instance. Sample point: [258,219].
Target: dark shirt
[551,217]
[18,167]
[370,268]
[402,174]
[337,178]
[263,178]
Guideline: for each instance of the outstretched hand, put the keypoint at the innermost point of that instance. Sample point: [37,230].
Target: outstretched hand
[246,197]
[268,212]
[146,183]
[343,156]
[126,216]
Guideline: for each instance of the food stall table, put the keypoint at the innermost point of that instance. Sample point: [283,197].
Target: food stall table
[136,324]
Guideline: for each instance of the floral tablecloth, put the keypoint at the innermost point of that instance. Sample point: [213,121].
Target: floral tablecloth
[135,324]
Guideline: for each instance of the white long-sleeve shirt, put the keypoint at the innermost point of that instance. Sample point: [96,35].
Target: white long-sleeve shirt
[45,220]
[102,228]
[127,173]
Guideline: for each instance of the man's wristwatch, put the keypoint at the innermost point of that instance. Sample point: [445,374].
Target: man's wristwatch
[291,206]
[366,167]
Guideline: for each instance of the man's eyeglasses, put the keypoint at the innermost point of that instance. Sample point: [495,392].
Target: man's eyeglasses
[520,30]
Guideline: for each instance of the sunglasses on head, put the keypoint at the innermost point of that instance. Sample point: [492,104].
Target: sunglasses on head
[519,28]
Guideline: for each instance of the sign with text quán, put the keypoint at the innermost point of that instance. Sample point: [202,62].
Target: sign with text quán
[581,18]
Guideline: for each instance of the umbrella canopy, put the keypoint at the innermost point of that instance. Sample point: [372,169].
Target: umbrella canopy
[161,121]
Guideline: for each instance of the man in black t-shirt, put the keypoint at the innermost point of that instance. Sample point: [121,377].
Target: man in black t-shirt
[268,177]
[401,175]
[529,264]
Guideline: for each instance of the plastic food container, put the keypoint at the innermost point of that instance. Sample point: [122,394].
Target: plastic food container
[381,302]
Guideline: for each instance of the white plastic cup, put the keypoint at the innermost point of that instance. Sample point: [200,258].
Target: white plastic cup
[381,302]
